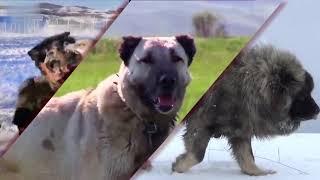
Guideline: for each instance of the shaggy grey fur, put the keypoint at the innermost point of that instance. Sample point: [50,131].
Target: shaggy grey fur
[261,95]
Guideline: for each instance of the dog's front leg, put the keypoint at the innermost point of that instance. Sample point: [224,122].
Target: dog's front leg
[196,141]
[80,145]
[242,152]
[72,152]
[77,137]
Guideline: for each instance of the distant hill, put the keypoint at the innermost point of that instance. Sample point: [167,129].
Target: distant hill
[58,10]
[49,6]
[160,18]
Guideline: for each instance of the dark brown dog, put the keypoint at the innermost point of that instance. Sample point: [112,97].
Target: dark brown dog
[56,57]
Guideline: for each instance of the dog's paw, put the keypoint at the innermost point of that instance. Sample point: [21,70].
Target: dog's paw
[183,163]
[177,167]
[258,172]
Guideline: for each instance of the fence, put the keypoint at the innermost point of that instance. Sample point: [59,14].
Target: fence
[27,25]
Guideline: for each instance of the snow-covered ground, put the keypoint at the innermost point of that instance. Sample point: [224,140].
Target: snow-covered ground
[293,157]
[8,134]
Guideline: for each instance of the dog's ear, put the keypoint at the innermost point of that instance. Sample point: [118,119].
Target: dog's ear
[127,47]
[37,54]
[188,45]
[60,38]
[67,38]
[285,79]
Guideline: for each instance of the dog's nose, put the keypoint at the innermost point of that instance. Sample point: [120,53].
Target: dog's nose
[167,81]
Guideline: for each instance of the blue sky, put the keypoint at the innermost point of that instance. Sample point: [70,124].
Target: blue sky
[96,4]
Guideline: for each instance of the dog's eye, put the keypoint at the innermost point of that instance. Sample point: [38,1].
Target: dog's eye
[65,43]
[146,60]
[53,64]
[177,59]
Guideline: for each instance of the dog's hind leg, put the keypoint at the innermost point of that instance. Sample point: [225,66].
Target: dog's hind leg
[242,152]
[196,141]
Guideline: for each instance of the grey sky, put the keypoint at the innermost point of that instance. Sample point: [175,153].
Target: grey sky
[175,17]
[297,29]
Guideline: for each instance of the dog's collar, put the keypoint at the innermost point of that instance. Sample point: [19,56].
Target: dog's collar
[151,128]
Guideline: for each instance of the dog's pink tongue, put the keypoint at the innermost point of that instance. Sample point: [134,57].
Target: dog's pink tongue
[165,101]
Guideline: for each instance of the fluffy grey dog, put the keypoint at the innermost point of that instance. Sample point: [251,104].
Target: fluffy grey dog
[266,92]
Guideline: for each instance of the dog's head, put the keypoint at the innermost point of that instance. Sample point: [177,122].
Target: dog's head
[290,87]
[49,46]
[158,69]
[56,57]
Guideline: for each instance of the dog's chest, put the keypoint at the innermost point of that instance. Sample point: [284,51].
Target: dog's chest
[123,137]
[127,143]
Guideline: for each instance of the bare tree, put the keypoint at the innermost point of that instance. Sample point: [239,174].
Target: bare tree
[220,31]
[206,25]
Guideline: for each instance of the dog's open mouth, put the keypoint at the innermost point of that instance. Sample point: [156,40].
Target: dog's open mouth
[164,103]
[311,117]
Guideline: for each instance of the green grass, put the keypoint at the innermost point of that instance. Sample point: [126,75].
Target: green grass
[212,57]
[100,63]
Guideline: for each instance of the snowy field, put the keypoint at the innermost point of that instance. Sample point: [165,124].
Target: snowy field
[8,134]
[293,157]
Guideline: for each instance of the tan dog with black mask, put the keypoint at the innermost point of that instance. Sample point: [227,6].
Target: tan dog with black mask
[108,132]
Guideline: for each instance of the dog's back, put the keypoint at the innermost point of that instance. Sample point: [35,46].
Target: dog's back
[41,142]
